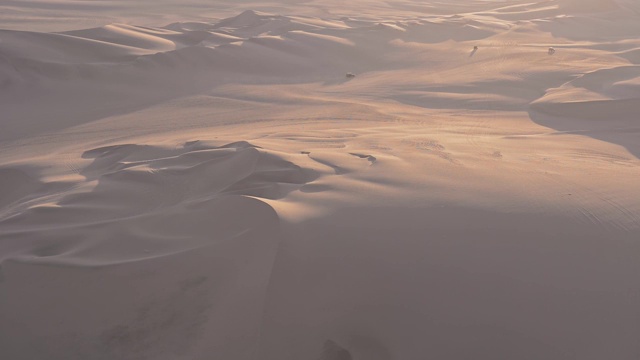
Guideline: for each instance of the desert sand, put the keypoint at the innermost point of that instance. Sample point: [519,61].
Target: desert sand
[202,180]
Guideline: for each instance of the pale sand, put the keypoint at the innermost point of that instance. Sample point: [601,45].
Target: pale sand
[218,188]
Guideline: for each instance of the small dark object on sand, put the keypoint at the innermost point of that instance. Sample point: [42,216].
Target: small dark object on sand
[552,51]
[350,75]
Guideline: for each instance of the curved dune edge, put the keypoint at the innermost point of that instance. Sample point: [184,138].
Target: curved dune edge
[597,109]
[606,94]
[140,202]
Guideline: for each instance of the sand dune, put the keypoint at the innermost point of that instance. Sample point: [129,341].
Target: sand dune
[319,179]
[601,103]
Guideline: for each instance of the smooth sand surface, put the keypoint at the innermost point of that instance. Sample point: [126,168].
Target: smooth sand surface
[188,180]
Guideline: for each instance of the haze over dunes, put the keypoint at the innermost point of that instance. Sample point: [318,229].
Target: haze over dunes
[198,180]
